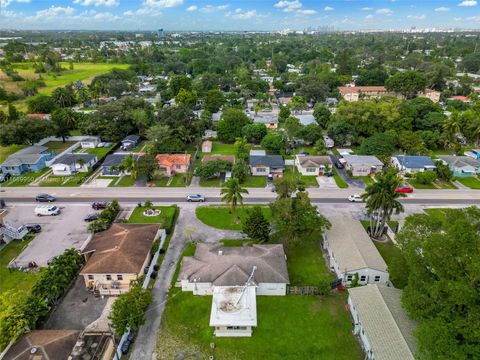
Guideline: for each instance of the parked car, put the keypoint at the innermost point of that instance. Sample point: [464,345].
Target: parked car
[5,177]
[91,217]
[47,210]
[407,189]
[33,228]
[125,346]
[195,198]
[99,205]
[131,337]
[45,198]
[338,165]
[355,198]
[269,178]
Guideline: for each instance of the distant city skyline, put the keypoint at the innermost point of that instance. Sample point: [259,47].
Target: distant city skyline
[215,15]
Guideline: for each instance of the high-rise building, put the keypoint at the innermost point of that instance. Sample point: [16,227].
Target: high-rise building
[160,33]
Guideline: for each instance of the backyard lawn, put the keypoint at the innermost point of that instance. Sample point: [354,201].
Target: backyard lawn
[223,149]
[15,280]
[6,151]
[470,182]
[389,252]
[220,217]
[100,152]
[58,146]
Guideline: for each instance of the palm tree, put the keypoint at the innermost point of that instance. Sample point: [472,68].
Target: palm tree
[232,195]
[452,125]
[241,144]
[382,200]
[129,164]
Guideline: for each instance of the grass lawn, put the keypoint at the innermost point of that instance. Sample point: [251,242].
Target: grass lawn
[220,217]
[255,182]
[15,280]
[339,181]
[6,151]
[58,146]
[437,213]
[309,181]
[217,182]
[417,185]
[178,181]
[368,180]
[65,181]
[125,181]
[100,152]
[470,182]
[25,179]
[137,217]
[223,149]
[389,252]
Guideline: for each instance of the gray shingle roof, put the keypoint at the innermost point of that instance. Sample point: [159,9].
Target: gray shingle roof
[352,247]
[414,162]
[314,161]
[362,160]
[116,159]
[134,138]
[30,155]
[231,266]
[70,159]
[385,322]
[266,160]
[460,161]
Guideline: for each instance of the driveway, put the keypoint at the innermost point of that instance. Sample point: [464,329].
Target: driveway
[187,227]
[58,233]
[343,174]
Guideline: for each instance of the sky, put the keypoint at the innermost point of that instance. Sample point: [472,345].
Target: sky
[231,15]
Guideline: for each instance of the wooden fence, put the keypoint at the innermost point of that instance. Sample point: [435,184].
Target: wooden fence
[303,290]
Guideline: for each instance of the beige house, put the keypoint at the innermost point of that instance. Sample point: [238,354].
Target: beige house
[362,165]
[355,93]
[116,257]
[312,165]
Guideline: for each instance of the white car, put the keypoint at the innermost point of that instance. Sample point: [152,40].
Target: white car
[355,198]
[47,210]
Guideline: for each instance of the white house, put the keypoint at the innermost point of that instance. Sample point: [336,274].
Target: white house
[90,142]
[384,329]
[312,165]
[412,164]
[216,265]
[350,251]
[362,165]
[70,164]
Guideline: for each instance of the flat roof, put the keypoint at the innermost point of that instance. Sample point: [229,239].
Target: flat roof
[234,306]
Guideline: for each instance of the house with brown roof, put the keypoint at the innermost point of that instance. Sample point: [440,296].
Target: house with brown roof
[116,257]
[215,265]
[229,158]
[312,165]
[173,163]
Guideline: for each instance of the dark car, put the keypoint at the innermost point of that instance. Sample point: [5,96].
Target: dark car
[45,198]
[33,228]
[99,205]
[338,165]
[125,346]
[5,177]
[131,337]
[91,217]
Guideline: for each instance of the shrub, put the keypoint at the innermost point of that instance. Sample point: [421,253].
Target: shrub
[324,286]
[106,218]
[426,177]
[156,267]
[153,275]
[169,221]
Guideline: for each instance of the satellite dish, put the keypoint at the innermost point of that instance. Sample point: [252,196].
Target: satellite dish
[33,350]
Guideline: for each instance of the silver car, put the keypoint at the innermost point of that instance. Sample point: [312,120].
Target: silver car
[195,198]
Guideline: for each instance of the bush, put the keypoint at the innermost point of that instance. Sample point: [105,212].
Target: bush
[153,275]
[106,218]
[425,177]
[324,286]
[169,222]
[156,267]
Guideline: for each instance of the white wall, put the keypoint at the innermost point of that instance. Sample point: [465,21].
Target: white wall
[272,289]
[358,330]
[265,289]
[255,172]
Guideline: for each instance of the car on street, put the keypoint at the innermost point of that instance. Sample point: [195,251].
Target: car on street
[47,210]
[195,198]
[91,217]
[355,198]
[406,189]
[5,177]
[45,198]
[99,205]
[33,228]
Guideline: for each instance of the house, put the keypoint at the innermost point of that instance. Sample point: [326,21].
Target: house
[306,119]
[263,165]
[70,164]
[173,163]
[90,142]
[29,159]
[207,146]
[229,158]
[412,164]
[43,344]
[431,94]
[461,98]
[384,329]
[130,142]
[210,134]
[40,116]
[234,311]
[330,101]
[362,165]
[350,251]
[217,265]
[461,166]
[112,164]
[254,152]
[216,117]
[329,143]
[355,93]
[270,120]
[116,257]
[345,151]
[312,165]
[474,153]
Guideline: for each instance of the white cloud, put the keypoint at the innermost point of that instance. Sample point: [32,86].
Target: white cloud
[474,18]
[384,11]
[5,3]
[107,3]
[54,11]
[328,8]
[106,16]
[468,3]
[211,8]
[192,8]
[289,6]
[367,8]
[369,17]
[442,9]
[417,17]
[161,4]
[306,12]
[239,14]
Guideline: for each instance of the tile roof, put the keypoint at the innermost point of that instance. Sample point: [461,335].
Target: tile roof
[414,162]
[122,249]
[229,158]
[385,322]
[231,266]
[313,161]
[173,159]
[352,247]
[266,160]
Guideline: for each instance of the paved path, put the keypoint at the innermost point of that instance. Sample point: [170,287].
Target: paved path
[187,227]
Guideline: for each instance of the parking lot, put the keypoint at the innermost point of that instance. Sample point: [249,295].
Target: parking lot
[58,232]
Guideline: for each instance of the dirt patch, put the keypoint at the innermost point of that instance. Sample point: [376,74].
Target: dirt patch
[170,347]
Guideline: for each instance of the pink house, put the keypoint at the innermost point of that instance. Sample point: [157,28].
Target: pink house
[173,163]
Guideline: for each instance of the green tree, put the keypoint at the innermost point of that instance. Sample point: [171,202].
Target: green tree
[379,144]
[13,320]
[298,103]
[178,82]
[64,96]
[12,112]
[275,142]
[213,168]
[285,187]
[256,226]
[128,311]
[254,132]
[320,147]
[342,132]
[293,127]
[129,164]
[284,113]
[242,147]
[186,98]
[232,195]
[147,167]
[426,177]
[322,115]
[240,170]
[382,200]
[214,100]
[40,104]
[230,126]
[408,83]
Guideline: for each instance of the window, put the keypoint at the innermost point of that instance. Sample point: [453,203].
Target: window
[349,277]
[311,170]
[363,278]
[109,277]
[178,166]
[90,277]
[119,277]
[261,169]
[377,278]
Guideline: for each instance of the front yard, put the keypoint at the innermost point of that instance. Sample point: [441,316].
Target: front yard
[25,179]
[339,181]
[178,180]
[220,217]
[65,181]
[167,213]
[292,173]
[255,182]
[470,182]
